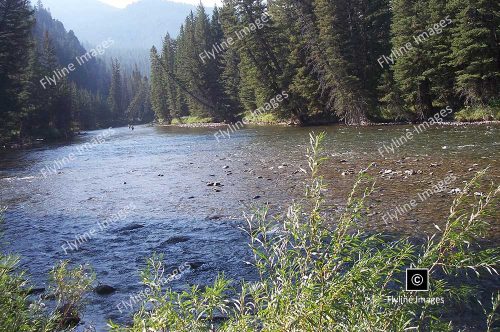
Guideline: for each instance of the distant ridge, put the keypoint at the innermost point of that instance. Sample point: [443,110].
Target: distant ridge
[138,26]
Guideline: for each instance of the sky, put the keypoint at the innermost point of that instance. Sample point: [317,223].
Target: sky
[124,3]
[118,3]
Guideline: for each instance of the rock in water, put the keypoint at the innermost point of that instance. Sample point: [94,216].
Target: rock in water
[195,265]
[131,227]
[104,289]
[176,239]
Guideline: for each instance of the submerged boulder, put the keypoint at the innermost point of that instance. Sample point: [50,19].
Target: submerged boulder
[104,289]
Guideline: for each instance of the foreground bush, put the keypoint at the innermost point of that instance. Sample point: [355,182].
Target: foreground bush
[20,312]
[336,278]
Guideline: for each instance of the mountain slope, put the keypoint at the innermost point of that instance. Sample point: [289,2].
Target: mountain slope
[138,26]
[93,76]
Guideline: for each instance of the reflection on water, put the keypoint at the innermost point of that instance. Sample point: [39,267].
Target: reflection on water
[164,172]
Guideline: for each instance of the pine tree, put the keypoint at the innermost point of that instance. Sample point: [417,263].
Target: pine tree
[168,66]
[230,78]
[410,19]
[438,51]
[225,107]
[147,114]
[49,63]
[339,74]
[31,102]
[200,76]
[256,49]
[476,50]
[374,26]
[15,27]
[294,20]
[157,91]
[115,92]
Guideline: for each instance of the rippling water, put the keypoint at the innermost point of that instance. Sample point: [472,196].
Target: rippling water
[163,174]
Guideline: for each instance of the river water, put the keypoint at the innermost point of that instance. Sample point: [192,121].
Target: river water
[155,179]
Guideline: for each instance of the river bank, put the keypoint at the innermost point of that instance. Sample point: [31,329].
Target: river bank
[263,124]
[39,142]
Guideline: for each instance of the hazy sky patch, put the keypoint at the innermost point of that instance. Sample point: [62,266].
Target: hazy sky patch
[124,3]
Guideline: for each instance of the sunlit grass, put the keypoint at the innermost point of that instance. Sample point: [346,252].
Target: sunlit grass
[191,120]
[475,114]
[266,118]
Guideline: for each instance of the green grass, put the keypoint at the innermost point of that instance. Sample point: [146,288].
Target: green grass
[267,118]
[475,114]
[191,120]
[315,277]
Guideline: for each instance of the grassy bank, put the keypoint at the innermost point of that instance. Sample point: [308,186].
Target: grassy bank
[191,120]
[478,114]
[265,118]
[464,116]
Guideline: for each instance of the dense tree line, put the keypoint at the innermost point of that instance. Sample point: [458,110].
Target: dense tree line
[39,100]
[326,55]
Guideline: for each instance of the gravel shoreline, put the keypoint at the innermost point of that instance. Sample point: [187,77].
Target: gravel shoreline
[219,125]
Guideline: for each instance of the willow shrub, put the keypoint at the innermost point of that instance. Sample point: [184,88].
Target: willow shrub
[335,278]
[22,312]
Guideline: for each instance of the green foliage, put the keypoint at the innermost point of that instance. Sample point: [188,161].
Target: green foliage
[16,313]
[268,118]
[478,113]
[116,91]
[475,50]
[139,108]
[326,55]
[191,120]
[35,47]
[492,315]
[70,285]
[321,272]
[20,311]
[17,21]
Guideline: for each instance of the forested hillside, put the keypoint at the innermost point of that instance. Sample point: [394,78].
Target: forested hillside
[41,97]
[137,26]
[133,28]
[350,61]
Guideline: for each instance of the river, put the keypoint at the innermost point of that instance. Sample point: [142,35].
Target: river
[155,179]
